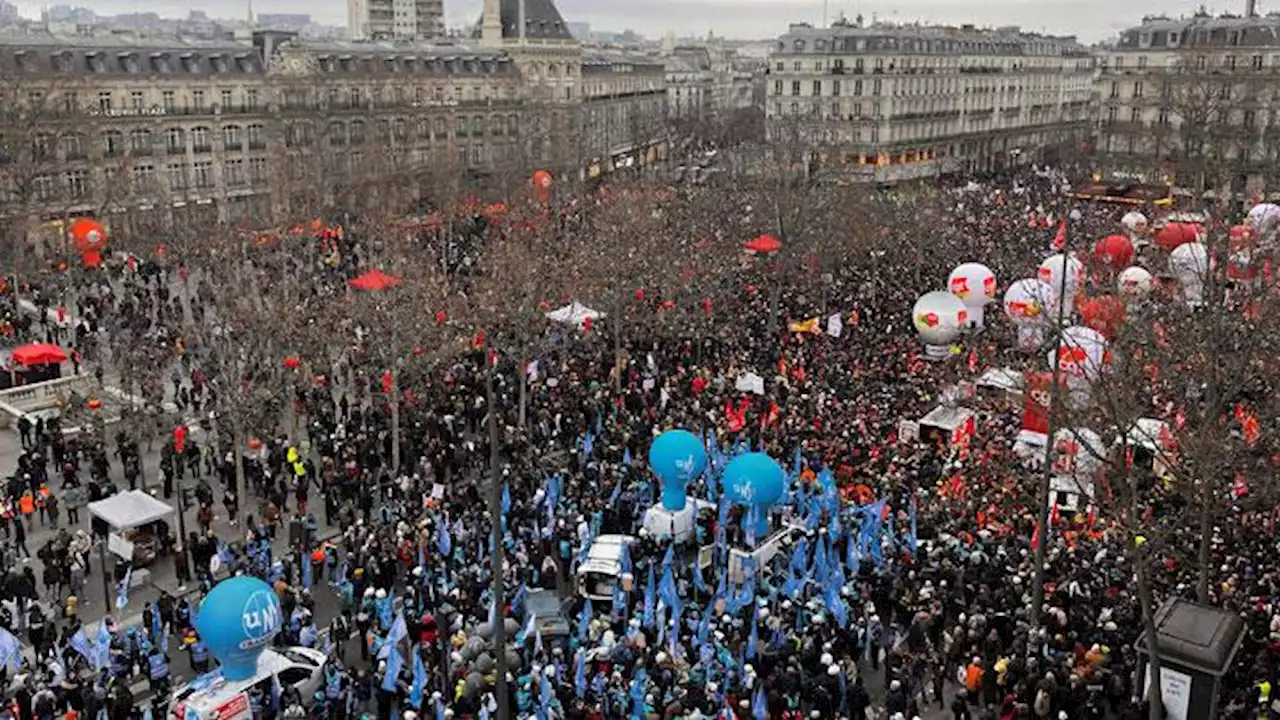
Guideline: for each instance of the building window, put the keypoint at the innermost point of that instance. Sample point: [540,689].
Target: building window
[857,88]
[137,99]
[197,99]
[1164,116]
[200,140]
[234,171]
[795,87]
[1201,62]
[75,183]
[337,134]
[175,140]
[166,100]
[144,177]
[224,99]
[875,87]
[202,174]
[835,88]
[1142,62]
[358,132]
[112,143]
[140,141]
[104,100]
[71,102]
[777,87]
[1137,89]
[1135,115]
[251,99]
[43,187]
[1256,62]
[257,170]
[817,88]
[256,141]
[73,147]
[231,139]
[177,177]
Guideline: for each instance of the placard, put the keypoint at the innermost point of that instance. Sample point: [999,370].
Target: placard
[1175,691]
[119,546]
[908,431]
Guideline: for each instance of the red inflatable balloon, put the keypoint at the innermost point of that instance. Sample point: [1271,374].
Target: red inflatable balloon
[1105,314]
[1114,251]
[1174,234]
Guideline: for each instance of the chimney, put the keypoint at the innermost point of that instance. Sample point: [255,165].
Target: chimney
[491,23]
[1251,8]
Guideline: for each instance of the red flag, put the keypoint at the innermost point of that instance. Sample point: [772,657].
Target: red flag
[1035,537]
[180,439]
[1060,238]
[1093,516]
[386,381]
[706,305]
[1053,516]
[973,361]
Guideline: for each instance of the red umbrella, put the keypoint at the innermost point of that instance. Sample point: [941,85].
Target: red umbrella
[374,280]
[39,354]
[764,245]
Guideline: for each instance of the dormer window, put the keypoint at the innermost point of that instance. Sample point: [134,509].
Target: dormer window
[219,63]
[799,46]
[62,61]
[26,60]
[129,63]
[245,64]
[346,63]
[161,64]
[95,63]
[191,62]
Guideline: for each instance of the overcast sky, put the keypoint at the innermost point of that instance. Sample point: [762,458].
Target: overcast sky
[1091,20]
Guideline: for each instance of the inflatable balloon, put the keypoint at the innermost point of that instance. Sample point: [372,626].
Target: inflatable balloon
[1189,263]
[975,285]
[939,317]
[755,480]
[1025,303]
[1077,453]
[238,618]
[1174,234]
[1105,314]
[90,238]
[1051,273]
[676,457]
[1134,283]
[1114,251]
[1080,354]
[1240,246]
[1264,217]
[1134,223]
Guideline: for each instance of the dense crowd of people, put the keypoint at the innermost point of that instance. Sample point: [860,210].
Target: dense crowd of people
[939,620]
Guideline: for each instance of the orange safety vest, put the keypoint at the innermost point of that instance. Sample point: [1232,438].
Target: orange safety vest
[27,504]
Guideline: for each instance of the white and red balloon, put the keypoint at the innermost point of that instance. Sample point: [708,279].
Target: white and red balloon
[939,317]
[1026,303]
[1189,263]
[975,285]
[1063,275]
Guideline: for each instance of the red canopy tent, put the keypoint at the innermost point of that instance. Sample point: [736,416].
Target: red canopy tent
[39,354]
[374,280]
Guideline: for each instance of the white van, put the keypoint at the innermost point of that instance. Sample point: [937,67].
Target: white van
[599,574]
[300,667]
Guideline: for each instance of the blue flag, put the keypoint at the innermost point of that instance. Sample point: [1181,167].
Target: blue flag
[440,715]
[419,681]
[753,640]
[626,457]
[649,599]
[912,542]
[589,442]
[10,651]
[394,661]
[580,674]
[384,609]
[759,704]
[306,570]
[584,621]
[444,541]
[395,634]
[122,589]
[617,492]
[506,499]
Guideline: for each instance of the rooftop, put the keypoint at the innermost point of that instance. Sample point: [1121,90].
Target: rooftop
[1202,30]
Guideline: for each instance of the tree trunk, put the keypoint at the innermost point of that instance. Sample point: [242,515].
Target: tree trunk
[1142,569]
[1206,535]
[497,587]
[617,350]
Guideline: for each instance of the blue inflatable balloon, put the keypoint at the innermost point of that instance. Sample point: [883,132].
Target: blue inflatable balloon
[237,619]
[754,479]
[676,457]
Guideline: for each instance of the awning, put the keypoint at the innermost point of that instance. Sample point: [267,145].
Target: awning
[130,509]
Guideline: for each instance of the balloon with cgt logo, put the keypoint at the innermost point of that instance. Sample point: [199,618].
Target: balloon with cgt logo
[676,457]
[938,318]
[237,619]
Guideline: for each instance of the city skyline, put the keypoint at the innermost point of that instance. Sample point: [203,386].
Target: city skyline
[1090,20]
